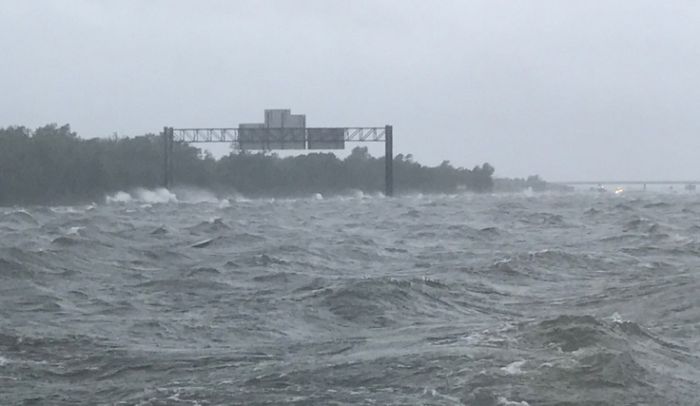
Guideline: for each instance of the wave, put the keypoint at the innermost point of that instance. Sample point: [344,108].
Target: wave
[140,195]
[42,348]
[547,265]
[385,302]
[571,333]
[547,219]
[363,293]
[214,225]
[16,261]
[12,269]
[197,283]
[574,333]
[19,218]
[643,225]
[189,195]
[588,356]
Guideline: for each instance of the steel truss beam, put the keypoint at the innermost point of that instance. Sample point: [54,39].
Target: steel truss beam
[230,135]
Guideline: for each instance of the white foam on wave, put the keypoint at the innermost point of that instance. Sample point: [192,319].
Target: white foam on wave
[514,368]
[241,199]
[160,195]
[22,213]
[3,361]
[74,230]
[196,195]
[119,197]
[435,394]
[358,194]
[355,194]
[617,319]
[187,195]
[184,195]
[503,401]
[140,195]
[65,210]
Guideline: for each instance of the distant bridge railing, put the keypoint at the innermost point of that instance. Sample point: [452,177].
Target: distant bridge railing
[630,182]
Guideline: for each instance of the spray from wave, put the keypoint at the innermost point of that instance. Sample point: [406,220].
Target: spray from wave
[160,195]
[163,195]
[189,195]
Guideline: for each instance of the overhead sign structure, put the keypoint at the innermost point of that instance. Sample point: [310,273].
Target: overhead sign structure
[281,130]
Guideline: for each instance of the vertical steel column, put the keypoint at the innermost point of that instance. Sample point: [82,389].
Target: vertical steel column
[388,160]
[166,156]
[171,160]
[168,135]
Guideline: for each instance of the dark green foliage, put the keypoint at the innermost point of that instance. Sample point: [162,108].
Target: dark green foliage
[52,165]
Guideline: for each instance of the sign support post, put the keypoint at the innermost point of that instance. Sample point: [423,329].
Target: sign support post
[388,161]
[168,156]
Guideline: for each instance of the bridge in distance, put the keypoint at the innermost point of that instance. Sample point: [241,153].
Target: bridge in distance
[629,182]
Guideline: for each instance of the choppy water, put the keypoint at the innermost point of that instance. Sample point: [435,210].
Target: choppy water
[572,299]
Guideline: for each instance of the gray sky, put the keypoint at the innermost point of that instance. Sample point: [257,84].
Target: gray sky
[570,90]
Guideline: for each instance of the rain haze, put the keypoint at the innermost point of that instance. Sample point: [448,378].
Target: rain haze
[575,90]
[458,203]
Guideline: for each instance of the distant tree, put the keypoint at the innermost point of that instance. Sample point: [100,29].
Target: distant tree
[536,183]
[481,178]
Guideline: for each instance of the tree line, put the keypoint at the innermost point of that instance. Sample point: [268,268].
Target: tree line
[51,164]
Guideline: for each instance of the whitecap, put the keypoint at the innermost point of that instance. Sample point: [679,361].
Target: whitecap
[503,401]
[119,197]
[195,195]
[144,196]
[617,319]
[159,195]
[74,230]
[514,368]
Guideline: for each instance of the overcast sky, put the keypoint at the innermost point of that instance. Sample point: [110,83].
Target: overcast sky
[570,90]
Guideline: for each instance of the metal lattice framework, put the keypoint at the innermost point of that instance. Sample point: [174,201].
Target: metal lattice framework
[230,135]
